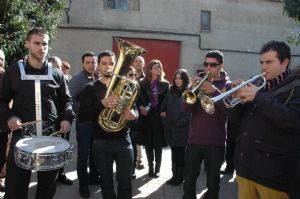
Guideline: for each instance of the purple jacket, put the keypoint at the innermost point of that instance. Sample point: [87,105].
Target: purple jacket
[208,129]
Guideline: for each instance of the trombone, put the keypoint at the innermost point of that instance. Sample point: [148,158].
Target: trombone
[207,103]
[190,95]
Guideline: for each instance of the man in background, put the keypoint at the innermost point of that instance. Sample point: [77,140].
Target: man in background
[84,130]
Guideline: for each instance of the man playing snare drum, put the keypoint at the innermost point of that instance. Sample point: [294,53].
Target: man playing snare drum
[39,92]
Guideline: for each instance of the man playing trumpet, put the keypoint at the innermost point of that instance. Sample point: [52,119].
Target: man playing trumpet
[207,133]
[269,125]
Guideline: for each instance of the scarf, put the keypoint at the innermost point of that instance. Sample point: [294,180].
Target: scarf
[154,93]
[277,80]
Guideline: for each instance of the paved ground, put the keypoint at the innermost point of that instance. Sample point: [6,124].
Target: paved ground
[143,186]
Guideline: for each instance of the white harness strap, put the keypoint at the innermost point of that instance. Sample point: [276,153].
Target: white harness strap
[37,88]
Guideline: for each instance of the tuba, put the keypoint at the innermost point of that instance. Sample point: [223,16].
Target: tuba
[112,119]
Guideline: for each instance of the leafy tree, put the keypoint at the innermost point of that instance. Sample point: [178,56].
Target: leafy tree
[18,16]
[291,8]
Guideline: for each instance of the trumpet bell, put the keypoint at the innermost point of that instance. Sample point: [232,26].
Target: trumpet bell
[189,97]
[207,104]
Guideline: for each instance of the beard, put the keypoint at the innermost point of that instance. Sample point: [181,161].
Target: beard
[37,56]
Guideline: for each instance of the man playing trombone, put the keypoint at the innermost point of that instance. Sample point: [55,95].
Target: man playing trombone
[269,118]
[207,133]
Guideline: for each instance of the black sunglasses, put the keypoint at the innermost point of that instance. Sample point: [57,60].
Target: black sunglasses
[131,74]
[213,65]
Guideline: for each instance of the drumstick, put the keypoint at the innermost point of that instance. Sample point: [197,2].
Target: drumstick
[56,133]
[28,123]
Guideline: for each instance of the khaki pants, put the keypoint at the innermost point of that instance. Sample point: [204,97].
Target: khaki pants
[251,190]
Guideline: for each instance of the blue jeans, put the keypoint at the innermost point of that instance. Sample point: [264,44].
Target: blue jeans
[84,133]
[213,157]
[120,151]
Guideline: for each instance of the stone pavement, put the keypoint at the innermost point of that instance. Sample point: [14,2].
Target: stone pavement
[143,186]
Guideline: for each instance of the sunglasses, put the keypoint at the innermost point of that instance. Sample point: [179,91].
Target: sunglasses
[131,75]
[213,65]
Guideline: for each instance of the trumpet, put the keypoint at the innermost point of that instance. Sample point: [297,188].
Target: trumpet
[207,103]
[190,95]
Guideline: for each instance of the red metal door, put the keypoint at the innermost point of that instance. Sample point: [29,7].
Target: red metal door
[164,50]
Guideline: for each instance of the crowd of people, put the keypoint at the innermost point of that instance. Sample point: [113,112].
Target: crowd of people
[258,138]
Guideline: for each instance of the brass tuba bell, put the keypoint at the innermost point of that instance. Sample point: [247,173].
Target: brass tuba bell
[112,119]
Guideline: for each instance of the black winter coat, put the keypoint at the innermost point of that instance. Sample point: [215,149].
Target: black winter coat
[176,123]
[56,101]
[269,136]
[151,129]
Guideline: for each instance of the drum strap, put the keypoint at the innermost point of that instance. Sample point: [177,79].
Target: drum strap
[37,88]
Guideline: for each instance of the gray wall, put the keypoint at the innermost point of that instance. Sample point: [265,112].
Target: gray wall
[239,28]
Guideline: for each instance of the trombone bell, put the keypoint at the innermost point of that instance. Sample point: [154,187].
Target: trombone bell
[207,104]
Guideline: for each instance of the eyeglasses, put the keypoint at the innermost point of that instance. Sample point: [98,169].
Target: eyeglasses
[213,65]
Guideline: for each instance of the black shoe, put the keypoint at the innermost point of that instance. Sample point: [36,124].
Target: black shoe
[133,176]
[170,181]
[139,165]
[95,180]
[64,180]
[84,191]
[177,181]
[227,171]
[156,174]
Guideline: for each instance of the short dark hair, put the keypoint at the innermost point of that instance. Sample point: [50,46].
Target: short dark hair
[282,49]
[106,53]
[218,55]
[87,54]
[36,31]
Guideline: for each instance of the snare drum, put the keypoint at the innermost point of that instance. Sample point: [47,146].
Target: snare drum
[42,153]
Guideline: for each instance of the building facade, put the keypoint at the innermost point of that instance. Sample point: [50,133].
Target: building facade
[236,27]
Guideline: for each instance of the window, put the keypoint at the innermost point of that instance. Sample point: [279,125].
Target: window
[116,4]
[205,20]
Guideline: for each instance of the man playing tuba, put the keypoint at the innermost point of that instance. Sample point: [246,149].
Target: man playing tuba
[108,146]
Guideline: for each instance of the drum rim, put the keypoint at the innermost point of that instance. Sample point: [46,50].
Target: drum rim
[69,147]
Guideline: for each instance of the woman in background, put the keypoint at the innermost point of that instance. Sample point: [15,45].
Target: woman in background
[153,90]
[176,124]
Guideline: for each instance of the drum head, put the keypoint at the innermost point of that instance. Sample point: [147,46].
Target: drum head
[43,144]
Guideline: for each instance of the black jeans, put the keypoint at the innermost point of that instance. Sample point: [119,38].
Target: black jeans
[213,157]
[177,154]
[85,158]
[229,154]
[17,180]
[120,151]
[154,154]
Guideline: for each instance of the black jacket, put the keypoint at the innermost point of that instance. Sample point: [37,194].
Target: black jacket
[55,96]
[152,130]
[269,134]
[91,107]
[176,123]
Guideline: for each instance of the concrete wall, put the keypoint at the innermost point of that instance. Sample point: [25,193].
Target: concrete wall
[239,28]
